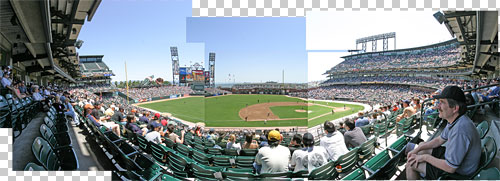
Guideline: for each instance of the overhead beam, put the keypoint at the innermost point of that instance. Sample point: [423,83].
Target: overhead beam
[68,21]
[37,68]
[27,57]
[459,14]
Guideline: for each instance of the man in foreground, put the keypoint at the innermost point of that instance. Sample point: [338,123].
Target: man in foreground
[463,149]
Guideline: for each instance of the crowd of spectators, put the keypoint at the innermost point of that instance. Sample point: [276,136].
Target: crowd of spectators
[216,91]
[373,94]
[430,57]
[150,92]
[433,82]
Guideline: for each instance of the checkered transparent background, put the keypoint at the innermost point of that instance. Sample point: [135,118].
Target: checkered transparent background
[6,172]
[248,8]
[298,8]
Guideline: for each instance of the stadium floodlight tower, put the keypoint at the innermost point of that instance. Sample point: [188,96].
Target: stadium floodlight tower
[373,39]
[211,64]
[175,64]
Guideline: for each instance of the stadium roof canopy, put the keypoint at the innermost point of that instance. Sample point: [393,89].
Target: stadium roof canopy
[44,34]
[477,32]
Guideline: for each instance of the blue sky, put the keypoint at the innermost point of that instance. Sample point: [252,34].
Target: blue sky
[142,32]
[254,49]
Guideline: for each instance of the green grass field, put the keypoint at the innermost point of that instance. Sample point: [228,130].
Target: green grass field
[191,109]
[284,112]
[316,110]
[223,111]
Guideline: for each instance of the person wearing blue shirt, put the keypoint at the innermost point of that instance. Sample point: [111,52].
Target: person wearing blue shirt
[463,145]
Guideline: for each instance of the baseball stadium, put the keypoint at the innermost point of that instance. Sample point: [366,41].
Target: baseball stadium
[426,112]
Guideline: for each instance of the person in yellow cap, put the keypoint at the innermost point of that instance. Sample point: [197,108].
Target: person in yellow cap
[273,158]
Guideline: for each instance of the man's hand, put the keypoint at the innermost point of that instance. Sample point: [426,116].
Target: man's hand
[415,159]
[412,152]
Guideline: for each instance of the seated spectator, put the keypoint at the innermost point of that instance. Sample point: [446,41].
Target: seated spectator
[407,111]
[144,119]
[463,145]
[249,142]
[231,143]
[132,126]
[295,143]
[36,94]
[333,141]
[361,121]
[212,137]
[154,135]
[273,158]
[118,116]
[354,136]
[174,137]
[309,157]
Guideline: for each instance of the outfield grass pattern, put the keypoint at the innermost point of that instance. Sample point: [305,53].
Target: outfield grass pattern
[222,111]
[284,112]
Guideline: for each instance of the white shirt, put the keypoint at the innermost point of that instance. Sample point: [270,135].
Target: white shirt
[37,96]
[309,158]
[273,159]
[6,82]
[334,145]
[154,137]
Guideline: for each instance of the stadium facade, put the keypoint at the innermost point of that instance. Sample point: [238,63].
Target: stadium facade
[94,71]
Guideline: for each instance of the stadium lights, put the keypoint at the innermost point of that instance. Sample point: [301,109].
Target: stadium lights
[78,44]
[439,17]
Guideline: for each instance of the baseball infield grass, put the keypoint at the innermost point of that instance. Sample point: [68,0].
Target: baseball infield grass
[316,111]
[191,109]
[284,112]
[223,111]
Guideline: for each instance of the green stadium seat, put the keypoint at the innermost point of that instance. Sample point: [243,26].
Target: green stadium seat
[276,176]
[52,160]
[143,143]
[488,174]
[367,129]
[245,161]
[200,147]
[56,141]
[489,150]
[14,116]
[55,128]
[34,167]
[204,172]
[201,157]
[4,113]
[404,126]
[160,153]
[345,163]
[367,149]
[214,151]
[166,177]
[388,168]
[184,150]
[377,162]
[169,143]
[325,172]
[145,167]
[223,161]
[358,174]
[238,174]
[249,152]
[179,165]
[483,129]
[230,152]
[380,129]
